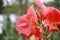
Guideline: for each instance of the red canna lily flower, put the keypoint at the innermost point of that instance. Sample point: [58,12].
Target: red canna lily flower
[28,24]
[54,19]
[49,15]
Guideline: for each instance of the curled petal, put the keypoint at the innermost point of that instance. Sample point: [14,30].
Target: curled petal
[40,4]
[31,14]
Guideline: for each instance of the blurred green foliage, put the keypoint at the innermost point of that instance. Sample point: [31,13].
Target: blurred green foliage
[1,6]
[9,33]
[11,9]
[53,4]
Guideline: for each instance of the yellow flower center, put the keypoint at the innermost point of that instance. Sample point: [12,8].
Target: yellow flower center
[54,23]
[34,23]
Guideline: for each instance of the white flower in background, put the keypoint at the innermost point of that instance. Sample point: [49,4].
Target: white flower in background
[1,18]
[13,18]
[1,23]
[1,28]
[9,2]
[4,3]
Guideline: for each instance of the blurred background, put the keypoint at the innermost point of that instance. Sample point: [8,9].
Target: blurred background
[11,10]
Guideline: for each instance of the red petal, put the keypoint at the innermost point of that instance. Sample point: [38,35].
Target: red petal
[38,34]
[23,26]
[50,26]
[31,14]
[54,15]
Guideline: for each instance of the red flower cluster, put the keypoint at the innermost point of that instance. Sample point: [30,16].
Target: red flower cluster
[50,16]
[28,24]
